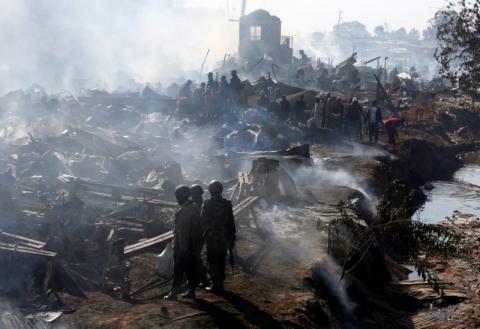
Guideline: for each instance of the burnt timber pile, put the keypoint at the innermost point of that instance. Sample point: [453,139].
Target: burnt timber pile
[87,205]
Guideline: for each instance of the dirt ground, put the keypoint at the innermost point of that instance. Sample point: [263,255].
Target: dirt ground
[463,272]
[276,247]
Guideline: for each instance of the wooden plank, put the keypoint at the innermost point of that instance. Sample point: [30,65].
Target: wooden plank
[245,205]
[26,241]
[148,242]
[25,250]
[144,200]
[110,234]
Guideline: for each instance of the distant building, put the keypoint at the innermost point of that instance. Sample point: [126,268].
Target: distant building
[260,37]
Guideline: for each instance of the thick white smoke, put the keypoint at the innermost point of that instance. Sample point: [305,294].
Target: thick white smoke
[56,42]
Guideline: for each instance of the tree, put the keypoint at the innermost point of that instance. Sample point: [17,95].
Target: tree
[349,30]
[430,33]
[401,34]
[379,31]
[458,52]
[414,35]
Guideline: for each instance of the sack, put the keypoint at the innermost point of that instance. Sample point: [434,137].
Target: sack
[164,262]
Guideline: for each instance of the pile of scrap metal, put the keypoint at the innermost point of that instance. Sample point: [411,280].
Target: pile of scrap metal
[74,196]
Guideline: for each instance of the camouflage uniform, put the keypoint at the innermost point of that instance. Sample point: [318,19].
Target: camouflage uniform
[184,261]
[217,215]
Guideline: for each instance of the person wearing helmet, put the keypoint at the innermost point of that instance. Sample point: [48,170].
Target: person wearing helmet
[196,193]
[220,232]
[198,239]
[183,256]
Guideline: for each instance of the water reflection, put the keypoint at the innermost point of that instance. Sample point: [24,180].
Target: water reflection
[461,194]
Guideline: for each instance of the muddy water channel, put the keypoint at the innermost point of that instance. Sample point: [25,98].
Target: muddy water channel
[461,194]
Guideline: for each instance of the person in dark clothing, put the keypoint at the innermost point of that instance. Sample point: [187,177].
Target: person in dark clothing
[198,237]
[285,109]
[236,86]
[353,120]
[339,113]
[224,94]
[373,118]
[186,224]
[220,232]
[212,85]
[299,109]
[263,100]
[186,90]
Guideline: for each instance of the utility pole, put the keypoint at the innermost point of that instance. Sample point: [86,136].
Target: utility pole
[242,8]
[385,68]
[340,12]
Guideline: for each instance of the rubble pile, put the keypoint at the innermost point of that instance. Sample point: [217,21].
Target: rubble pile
[88,182]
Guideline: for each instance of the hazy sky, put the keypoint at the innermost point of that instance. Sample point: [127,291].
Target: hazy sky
[309,15]
[53,42]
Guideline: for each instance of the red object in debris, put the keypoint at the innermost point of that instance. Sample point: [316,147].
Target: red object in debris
[391,121]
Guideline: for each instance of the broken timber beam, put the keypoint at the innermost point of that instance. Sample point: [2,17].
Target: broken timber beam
[148,243]
[25,250]
[21,240]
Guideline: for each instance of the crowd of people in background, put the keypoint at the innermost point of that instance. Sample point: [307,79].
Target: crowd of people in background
[211,98]
[215,98]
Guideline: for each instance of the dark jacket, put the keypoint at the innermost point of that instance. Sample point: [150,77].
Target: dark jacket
[354,113]
[217,216]
[185,226]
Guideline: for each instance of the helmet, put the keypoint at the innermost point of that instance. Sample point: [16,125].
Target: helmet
[215,187]
[196,190]
[182,192]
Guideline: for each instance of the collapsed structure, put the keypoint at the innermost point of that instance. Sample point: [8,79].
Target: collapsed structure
[86,194]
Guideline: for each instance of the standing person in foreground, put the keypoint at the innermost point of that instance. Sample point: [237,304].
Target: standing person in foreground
[183,254]
[374,118]
[220,232]
[198,237]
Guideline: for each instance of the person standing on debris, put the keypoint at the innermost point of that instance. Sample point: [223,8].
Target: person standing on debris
[263,100]
[211,95]
[212,85]
[198,100]
[331,107]
[183,254]
[224,94]
[220,232]
[316,114]
[285,109]
[299,109]
[353,120]
[237,87]
[374,118]
[198,236]
[186,90]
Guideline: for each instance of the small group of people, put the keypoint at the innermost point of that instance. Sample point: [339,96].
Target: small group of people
[332,113]
[197,223]
[210,98]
